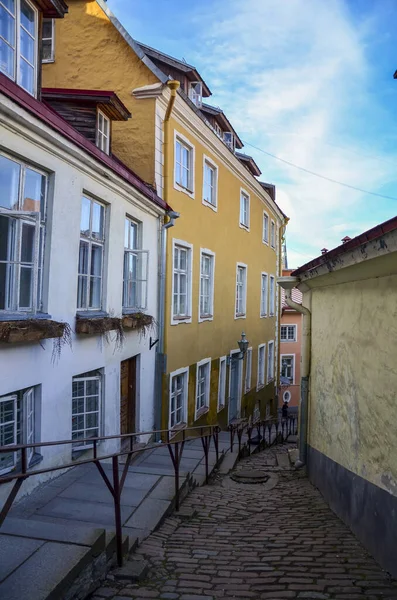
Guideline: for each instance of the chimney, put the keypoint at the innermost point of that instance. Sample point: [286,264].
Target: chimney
[346,239]
[324,250]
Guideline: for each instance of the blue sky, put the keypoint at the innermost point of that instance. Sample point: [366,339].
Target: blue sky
[306,80]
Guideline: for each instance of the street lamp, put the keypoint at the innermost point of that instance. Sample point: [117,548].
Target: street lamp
[243,344]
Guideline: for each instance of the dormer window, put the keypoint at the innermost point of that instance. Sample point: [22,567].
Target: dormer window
[103,132]
[218,130]
[18,42]
[229,140]
[196,93]
[48,40]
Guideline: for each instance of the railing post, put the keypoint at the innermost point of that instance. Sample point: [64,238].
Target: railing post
[216,442]
[176,459]
[231,437]
[206,440]
[249,432]
[117,510]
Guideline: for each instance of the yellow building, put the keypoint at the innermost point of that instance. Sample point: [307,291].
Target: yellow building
[224,252]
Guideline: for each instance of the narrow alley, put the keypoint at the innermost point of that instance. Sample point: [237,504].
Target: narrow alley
[270,540]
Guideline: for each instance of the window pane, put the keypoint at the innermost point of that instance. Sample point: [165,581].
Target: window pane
[26,79]
[27,243]
[47,28]
[34,192]
[92,387]
[7,27]
[9,182]
[183,260]
[95,292]
[85,216]
[7,64]
[83,258]
[27,47]
[78,388]
[27,17]
[96,260]
[26,287]
[47,49]
[97,221]
[82,291]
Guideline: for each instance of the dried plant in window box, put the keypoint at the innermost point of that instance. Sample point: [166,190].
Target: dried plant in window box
[138,321]
[97,325]
[32,330]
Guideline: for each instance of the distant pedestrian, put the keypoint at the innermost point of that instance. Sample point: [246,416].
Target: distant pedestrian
[284,410]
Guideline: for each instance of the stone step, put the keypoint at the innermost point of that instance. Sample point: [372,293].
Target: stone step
[228,463]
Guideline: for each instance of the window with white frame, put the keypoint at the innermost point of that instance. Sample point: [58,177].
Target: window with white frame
[17,426]
[248,370]
[264,292]
[23,194]
[206,285]
[261,365]
[210,177]
[244,209]
[135,280]
[229,140]
[265,233]
[203,386]
[241,290]
[273,234]
[18,42]
[288,367]
[288,333]
[222,383]
[103,132]
[178,398]
[86,408]
[181,281]
[270,361]
[218,130]
[91,255]
[196,93]
[272,297]
[184,164]
[48,40]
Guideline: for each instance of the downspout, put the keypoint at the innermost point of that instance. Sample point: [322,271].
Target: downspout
[288,283]
[171,215]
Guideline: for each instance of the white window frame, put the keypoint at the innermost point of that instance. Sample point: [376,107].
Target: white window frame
[293,365]
[210,316]
[189,190]
[52,38]
[99,378]
[199,412]
[184,372]
[210,163]
[270,366]
[273,234]
[102,140]
[177,319]
[17,45]
[245,194]
[11,398]
[218,130]
[229,140]
[272,296]
[287,339]
[248,371]
[27,398]
[265,231]
[261,377]
[196,96]
[287,394]
[264,295]
[222,383]
[142,260]
[243,314]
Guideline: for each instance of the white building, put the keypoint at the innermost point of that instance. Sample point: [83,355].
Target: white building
[79,238]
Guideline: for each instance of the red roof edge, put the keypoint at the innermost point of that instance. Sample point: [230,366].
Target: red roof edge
[48,116]
[363,238]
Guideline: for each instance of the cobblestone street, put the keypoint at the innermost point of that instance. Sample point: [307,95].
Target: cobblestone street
[269,541]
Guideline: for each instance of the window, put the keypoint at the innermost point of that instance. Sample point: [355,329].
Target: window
[288,333]
[218,130]
[263,312]
[103,132]
[206,285]
[182,281]
[265,235]
[244,209]
[241,290]
[229,140]
[92,239]
[288,367]
[273,234]
[48,40]
[261,365]
[18,42]
[210,183]
[287,396]
[86,408]
[202,387]
[248,370]
[178,397]
[184,161]
[272,295]
[23,192]
[135,268]
[270,362]
[257,412]
[17,426]
[196,93]
[222,383]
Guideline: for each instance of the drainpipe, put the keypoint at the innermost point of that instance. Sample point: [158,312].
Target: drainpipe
[172,216]
[288,283]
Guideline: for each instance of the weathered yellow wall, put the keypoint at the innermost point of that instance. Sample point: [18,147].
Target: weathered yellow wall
[91,54]
[353,406]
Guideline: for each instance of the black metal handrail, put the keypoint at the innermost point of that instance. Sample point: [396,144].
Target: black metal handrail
[281,429]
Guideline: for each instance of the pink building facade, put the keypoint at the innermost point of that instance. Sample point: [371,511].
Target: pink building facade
[290,351]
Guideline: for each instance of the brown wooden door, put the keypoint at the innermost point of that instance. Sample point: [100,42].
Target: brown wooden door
[127,397]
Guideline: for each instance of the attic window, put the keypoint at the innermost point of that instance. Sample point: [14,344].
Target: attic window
[103,132]
[218,130]
[229,140]
[196,93]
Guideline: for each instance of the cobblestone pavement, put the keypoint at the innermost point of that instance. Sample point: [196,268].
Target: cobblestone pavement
[250,541]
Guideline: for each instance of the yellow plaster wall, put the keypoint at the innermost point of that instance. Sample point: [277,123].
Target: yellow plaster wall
[91,54]
[353,407]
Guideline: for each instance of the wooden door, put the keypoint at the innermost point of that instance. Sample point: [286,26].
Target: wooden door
[127,398]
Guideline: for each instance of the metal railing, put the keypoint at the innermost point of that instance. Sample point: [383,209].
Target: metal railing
[269,432]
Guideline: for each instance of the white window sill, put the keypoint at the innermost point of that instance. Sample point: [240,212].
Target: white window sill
[240,316]
[220,407]
[48,60]
[92,314]
[265,242]
[200,413]
[245,227]
[271,315]
[213,207]
[264,316]
[181,188]
[179,320]
[177,428]
[260,387]
[203,318]
[23,316]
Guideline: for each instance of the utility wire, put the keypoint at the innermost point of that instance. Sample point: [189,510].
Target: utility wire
[352,187]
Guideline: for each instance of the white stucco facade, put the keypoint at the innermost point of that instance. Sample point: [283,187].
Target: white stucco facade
[73,172]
